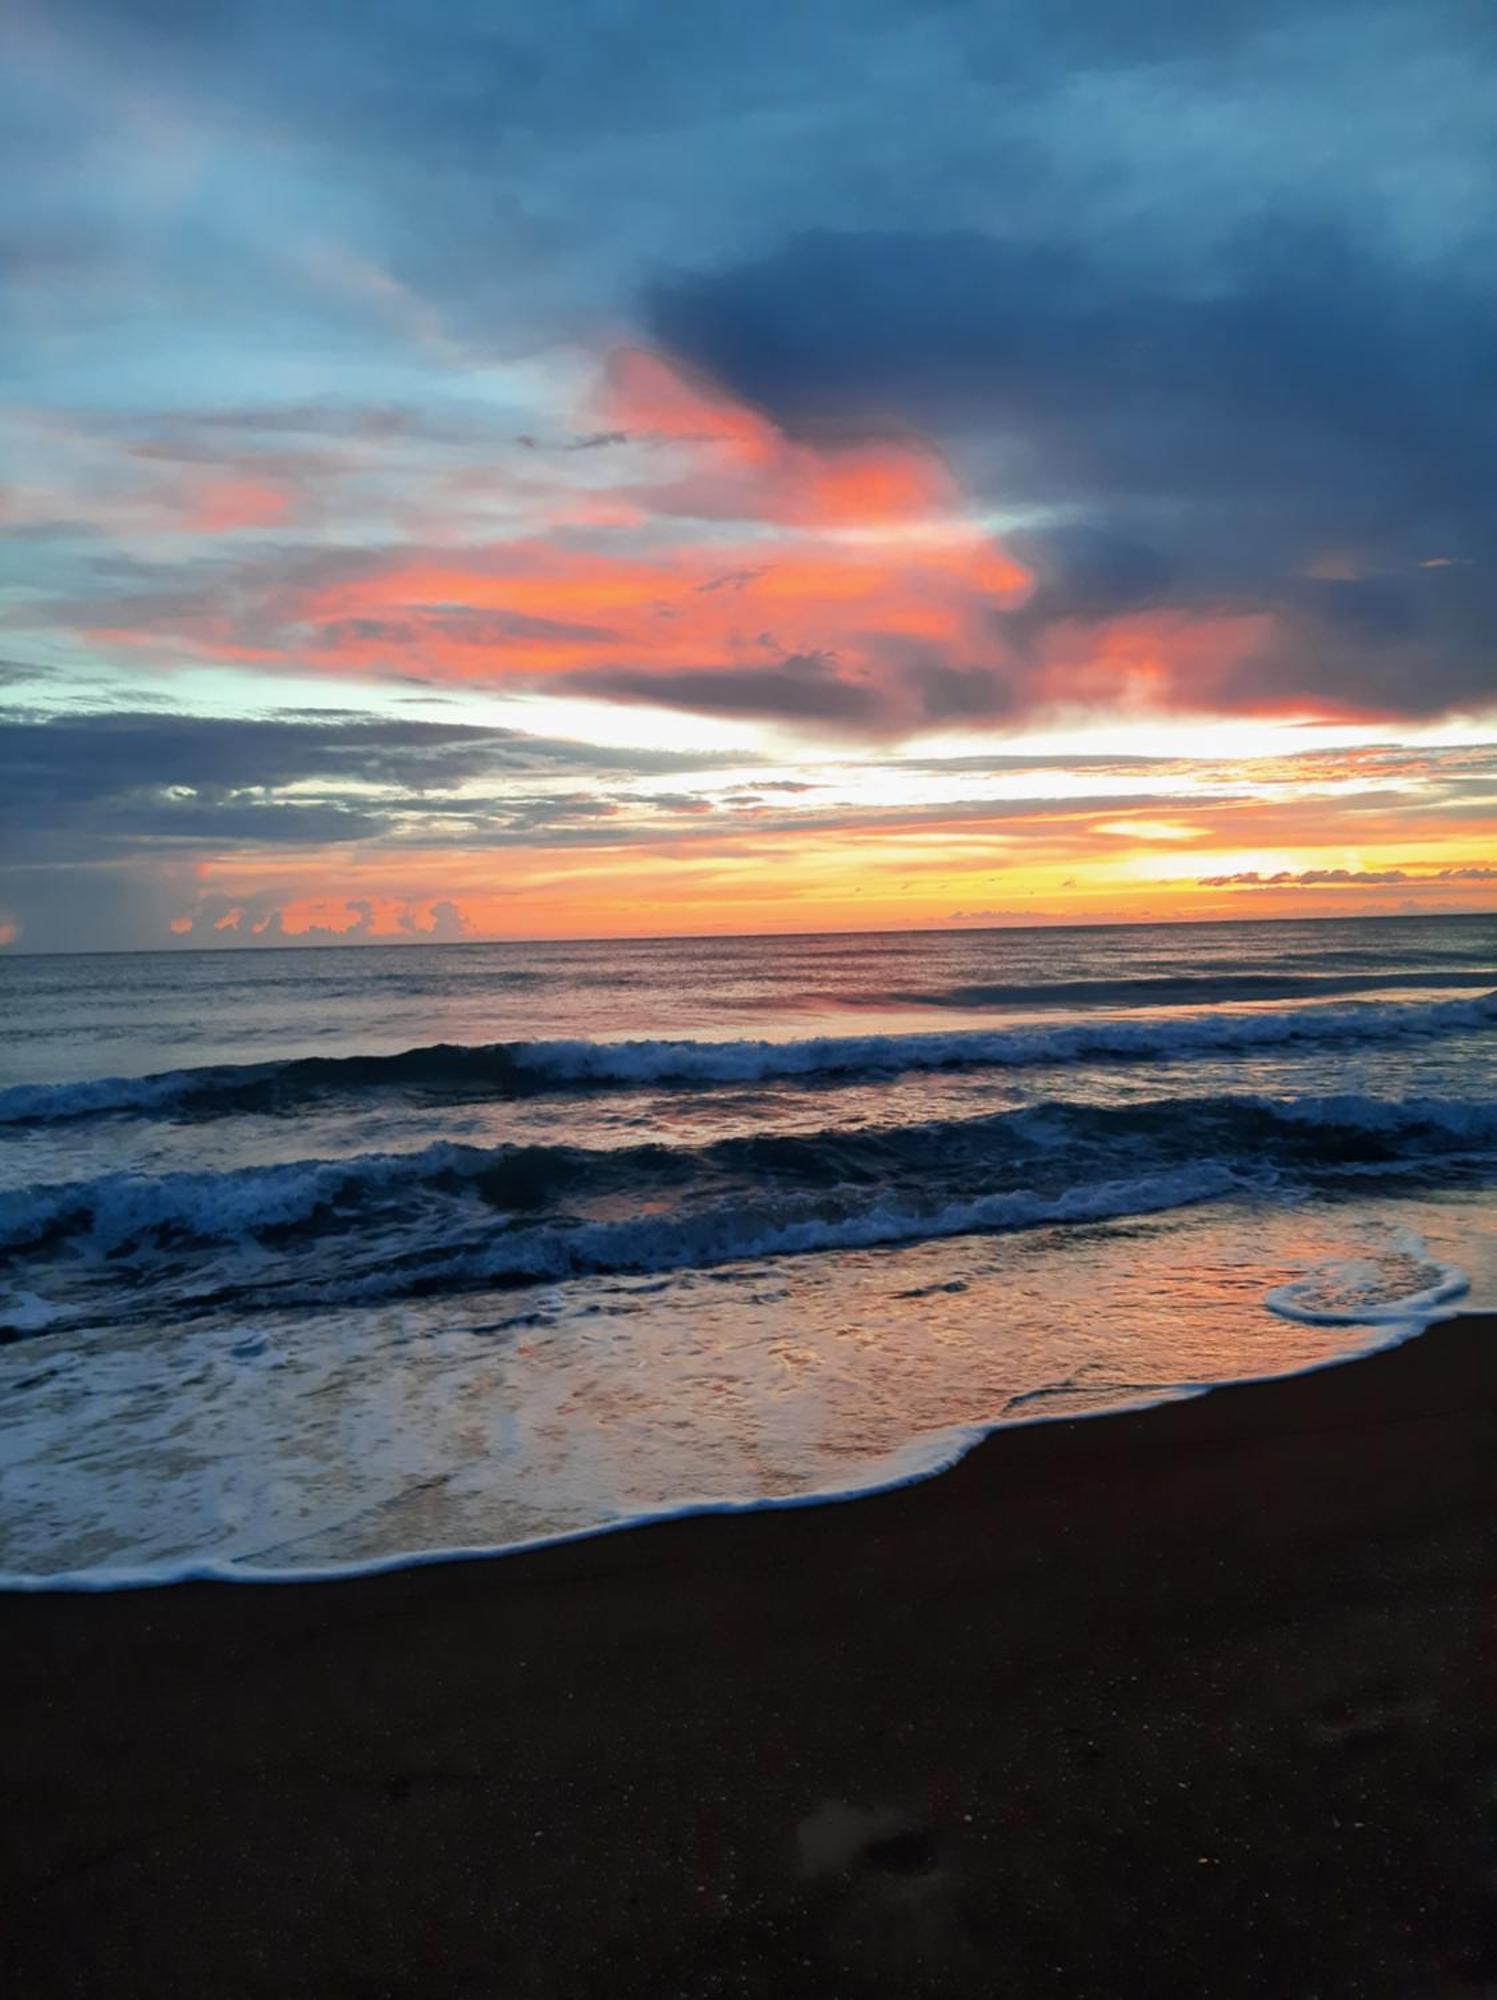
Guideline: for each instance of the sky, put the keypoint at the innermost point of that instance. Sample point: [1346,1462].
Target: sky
[483,470]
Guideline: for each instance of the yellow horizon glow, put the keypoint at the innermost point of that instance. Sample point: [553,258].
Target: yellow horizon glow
[915,878]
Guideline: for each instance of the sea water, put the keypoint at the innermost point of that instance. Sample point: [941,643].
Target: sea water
[315,1258]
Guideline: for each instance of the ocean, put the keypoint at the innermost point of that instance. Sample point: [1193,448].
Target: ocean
[318,1259]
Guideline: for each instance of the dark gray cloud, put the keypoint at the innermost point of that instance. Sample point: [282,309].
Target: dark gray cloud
[1198,298]
[88,785]
[805,687]
[521,168]
[1312,405]
[462,624]
[94,788]
[104,816]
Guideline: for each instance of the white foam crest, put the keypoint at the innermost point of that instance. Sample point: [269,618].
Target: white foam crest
[120,1207]
[720,1236]
[115,1209]
[725,1235]
[660,1062]
[1352,1111]
[1399,1284]
[580,1064]
[23,1103]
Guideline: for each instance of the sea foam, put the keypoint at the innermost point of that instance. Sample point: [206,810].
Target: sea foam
[502,1069]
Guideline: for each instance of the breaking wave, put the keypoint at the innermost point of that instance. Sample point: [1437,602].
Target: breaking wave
[531,1068]
[378,1226]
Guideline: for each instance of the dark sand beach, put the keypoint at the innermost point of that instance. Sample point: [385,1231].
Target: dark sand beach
[1192,1701]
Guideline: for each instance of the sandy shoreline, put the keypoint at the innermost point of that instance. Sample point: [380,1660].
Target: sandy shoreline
[1193,1700]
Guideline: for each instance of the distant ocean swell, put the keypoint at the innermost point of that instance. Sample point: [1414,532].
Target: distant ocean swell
[1179,990]
[385,1226]
[530,1068]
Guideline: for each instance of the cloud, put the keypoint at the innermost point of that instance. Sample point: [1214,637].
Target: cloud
[97,791]
[92,785]
[737,571]
[107,819]
[1200,443]
[873,371]
[223,920]
[118,825]
[742,546]
[1336,878]
[17,673]
[801,688]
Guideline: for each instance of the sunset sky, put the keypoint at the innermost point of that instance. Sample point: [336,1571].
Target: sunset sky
[616,468]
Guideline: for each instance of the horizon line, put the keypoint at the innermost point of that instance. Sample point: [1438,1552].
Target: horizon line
[8,955]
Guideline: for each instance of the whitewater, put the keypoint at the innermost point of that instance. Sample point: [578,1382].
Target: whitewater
[326,1259]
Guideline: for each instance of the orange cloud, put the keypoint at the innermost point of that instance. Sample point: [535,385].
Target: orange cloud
[1159,659]
[1182,852]
[708,560]
[856,555]
[224,505]
[134,500]
[742,467]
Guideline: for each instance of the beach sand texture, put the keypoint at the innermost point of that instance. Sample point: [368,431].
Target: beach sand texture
[1191,1701]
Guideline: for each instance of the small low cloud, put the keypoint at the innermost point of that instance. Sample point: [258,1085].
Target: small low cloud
[226,920]
[1351,878]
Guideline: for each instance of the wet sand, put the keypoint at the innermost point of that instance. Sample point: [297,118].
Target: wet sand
[1196,1701]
